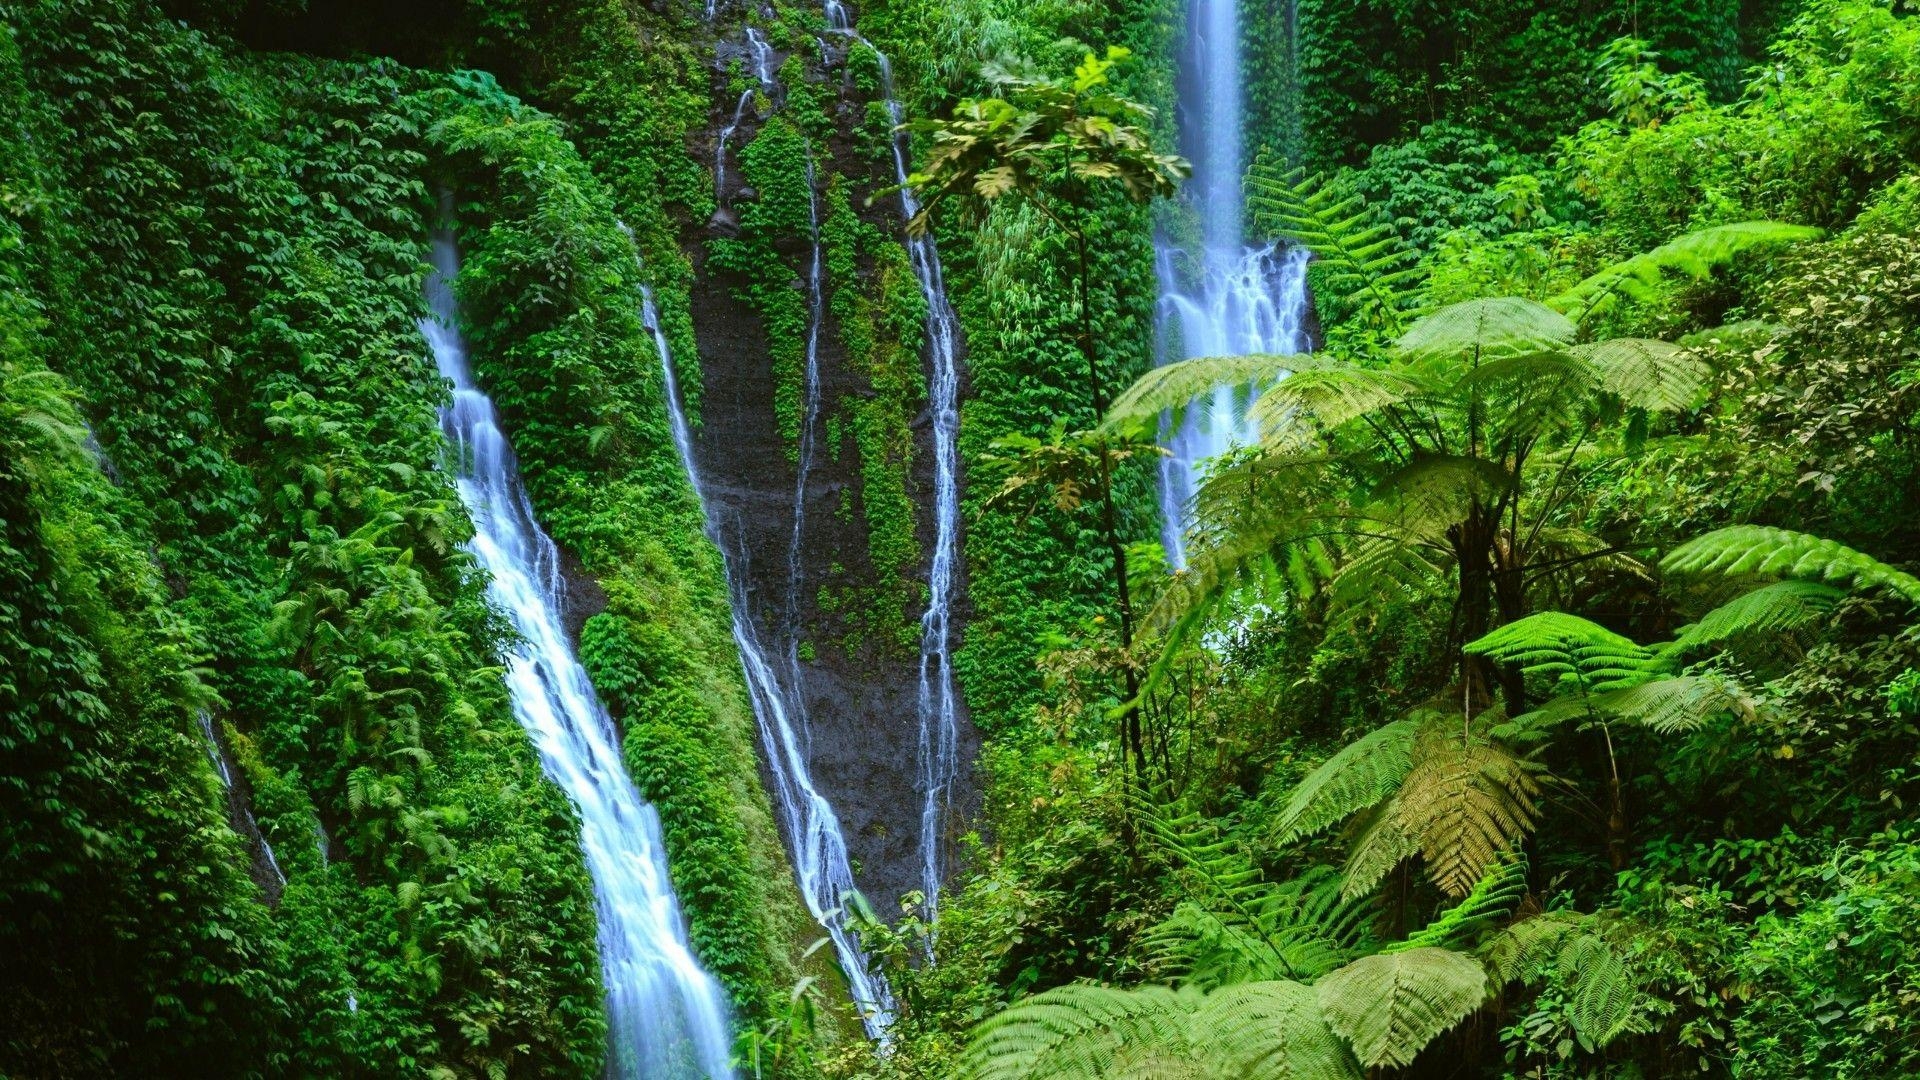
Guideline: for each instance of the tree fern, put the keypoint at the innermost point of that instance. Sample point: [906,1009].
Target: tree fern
[1678,702]
[1253,1031]
[1175,385]
[1762,550]
[1581,655]
[1695,254]
[1467,802]
[1320,399]
[1366,267]
[1077,1031]
[1391,1005]
[1238,926]
[1273,1031]
[1603,992]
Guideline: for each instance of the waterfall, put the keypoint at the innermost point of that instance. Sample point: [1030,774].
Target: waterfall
[762,55]
[238,811]
[1235,298]
[666,1017]
[819,849]
[938,703]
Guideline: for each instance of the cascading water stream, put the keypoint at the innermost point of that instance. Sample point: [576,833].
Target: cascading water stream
[666,1017]
[1235,298]
[762,54]
[938,703]
[819,849]
[238,811]
[818,845]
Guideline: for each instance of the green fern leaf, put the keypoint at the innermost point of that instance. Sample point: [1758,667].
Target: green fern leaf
[1364,266]
[1678,703]
[1492,899]
[1568,946]
[1583,654]
[1364,773]
[1273,1031]
[1486,330]
[1782,607]
[1645,373]
[1695,254]
[1762,550]
[1468,804]
[1174,386]
[1391,1005]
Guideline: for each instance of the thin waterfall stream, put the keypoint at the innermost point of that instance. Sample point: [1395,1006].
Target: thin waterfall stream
[1231,297]
[775,679]
[939,706]
[667,1018]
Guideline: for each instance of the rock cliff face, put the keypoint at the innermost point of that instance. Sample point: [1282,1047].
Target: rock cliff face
[848,613]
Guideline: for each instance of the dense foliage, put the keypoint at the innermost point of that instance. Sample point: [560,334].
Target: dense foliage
[1541,697]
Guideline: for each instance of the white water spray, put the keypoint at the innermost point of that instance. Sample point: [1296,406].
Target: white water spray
[1240,298]
[666,1017]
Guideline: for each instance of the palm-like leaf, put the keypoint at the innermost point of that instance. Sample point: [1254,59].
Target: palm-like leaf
[1391,1005]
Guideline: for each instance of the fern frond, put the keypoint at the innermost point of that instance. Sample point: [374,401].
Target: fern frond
[1177,384]
[1679,702]
[1383,572]
[1382,844]
[1205,949]
[1364,264]
[1250,1031]
[1494,898]
[1273,1030]
[1486,330]
[1433,491]
[1645,373]
[1568,944]
[1779,608]
[1391,1005]
[1580,653]
[1695,254]
[1077,1030]
[1298,408]
[1364,773]
[1468,803]
[1763,550]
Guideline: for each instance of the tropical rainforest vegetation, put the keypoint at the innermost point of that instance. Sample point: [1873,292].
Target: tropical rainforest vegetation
[1534,691]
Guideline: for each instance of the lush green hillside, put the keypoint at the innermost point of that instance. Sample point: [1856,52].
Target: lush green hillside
[1539,698]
